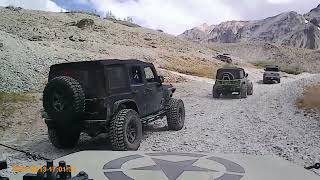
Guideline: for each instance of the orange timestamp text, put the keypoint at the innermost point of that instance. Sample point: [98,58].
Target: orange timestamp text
[35,169]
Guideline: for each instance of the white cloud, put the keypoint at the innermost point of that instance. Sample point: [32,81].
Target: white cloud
[83,1]
[43,5]
[279,1]
[173,16]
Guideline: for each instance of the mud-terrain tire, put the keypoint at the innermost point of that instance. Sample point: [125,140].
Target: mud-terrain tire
[215,93]
[243,91]
[175,113]
[250,89]
[265,81]
[64,98]
[125,131]
[64,138]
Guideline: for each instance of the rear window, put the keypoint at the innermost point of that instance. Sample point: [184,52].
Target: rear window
[90,78]
[272,69]
[229,74]
[117,77]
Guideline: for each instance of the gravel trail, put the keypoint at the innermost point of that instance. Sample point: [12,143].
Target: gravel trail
[266,123]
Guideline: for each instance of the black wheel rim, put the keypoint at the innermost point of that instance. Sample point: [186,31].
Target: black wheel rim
[58,102]
[132,132]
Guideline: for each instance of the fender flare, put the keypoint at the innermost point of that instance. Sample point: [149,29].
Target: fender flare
[117,104]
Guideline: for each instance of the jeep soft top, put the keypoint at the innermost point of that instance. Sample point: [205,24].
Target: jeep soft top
[103,62]
[232,72]
[274,68]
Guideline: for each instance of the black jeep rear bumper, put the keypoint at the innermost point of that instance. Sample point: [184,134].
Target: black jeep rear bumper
[228,89]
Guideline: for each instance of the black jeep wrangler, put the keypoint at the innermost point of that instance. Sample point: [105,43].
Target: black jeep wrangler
[232,80]
[113,96]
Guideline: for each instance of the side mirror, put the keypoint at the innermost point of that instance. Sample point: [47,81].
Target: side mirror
[161,78]
[246,75]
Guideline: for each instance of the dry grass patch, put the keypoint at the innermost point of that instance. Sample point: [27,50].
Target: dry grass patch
[310,98]
[170,77]
[288,68]
[194,67]
[8,101]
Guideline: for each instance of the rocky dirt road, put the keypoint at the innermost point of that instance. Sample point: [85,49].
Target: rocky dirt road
[266,123]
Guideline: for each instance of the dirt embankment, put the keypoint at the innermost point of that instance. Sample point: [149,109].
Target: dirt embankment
[31,41]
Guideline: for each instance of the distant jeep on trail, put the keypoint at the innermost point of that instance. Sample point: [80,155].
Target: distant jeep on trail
[271,74]
[232,80]
[113,96]
[224,58]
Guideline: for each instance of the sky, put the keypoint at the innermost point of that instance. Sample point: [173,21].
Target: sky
[174,16]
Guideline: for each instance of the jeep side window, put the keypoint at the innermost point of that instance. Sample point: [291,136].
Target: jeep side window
[149,74]
[242,74]
[136,75]
[117,77]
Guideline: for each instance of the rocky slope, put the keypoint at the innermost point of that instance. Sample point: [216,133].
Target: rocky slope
[314,16]
[288,57]
[289,28]
[31,41]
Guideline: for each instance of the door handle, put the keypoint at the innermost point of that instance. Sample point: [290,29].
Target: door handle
[135,91]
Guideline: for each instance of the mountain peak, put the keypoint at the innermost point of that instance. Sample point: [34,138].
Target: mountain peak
[205,27]
[317,9]
[288,28]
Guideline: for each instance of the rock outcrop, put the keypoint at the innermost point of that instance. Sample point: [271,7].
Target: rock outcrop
[289,28]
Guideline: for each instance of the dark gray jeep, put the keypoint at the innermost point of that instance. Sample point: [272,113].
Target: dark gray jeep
[232,80]
[271,74]
[224,58]
[116,97]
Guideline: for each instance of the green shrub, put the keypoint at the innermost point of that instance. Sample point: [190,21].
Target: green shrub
[291,69]
[192,67]
[288,68]
[262,64]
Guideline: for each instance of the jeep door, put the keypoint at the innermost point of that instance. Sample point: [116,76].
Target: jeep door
[117,84]
[153,89]
[138,88]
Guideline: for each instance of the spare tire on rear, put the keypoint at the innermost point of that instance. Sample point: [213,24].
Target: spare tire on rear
[64,99]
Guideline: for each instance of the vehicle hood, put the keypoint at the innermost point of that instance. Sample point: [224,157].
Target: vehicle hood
[163,165]
[271,73]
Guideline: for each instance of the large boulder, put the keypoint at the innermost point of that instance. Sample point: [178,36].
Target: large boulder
[84,23]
